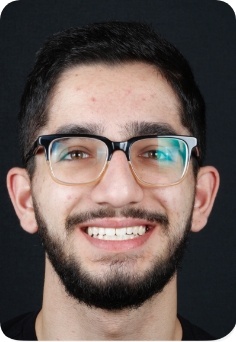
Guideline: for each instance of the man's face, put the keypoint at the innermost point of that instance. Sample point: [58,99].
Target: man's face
[118,102]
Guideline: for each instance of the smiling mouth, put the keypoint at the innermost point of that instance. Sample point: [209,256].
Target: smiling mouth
[125,233]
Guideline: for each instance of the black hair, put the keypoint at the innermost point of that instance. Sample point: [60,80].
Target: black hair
[109,43]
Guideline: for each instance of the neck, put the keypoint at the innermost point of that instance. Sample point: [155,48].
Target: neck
[64,318]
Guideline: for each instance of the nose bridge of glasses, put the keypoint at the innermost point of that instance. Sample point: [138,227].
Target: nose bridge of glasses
[119,146]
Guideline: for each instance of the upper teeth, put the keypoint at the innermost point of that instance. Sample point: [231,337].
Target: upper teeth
[116,233]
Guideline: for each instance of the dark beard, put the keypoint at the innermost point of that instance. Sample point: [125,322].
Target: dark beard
[117,289]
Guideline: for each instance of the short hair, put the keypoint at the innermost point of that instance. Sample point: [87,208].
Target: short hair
[110,43]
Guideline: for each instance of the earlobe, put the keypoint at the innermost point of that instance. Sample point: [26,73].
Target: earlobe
[206,189]
[19,189]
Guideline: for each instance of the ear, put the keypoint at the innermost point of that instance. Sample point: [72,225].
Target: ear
[19,188]
[208,180]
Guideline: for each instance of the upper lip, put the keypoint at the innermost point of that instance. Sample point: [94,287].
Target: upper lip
[116,223]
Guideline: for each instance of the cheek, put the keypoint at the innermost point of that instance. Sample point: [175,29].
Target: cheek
[62,198]
[176,201]
[57,201]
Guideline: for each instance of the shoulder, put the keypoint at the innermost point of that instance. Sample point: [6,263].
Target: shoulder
[192,332]
[21,327]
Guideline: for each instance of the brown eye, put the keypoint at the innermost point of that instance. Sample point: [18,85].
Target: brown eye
[75,155]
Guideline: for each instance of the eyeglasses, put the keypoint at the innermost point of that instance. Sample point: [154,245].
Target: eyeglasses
[82,158]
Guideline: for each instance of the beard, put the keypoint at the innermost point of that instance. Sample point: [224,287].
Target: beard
[119,288]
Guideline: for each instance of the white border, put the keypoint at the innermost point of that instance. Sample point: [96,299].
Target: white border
[232,335]
[231,3]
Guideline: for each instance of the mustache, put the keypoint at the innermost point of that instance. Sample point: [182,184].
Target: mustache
[151,216]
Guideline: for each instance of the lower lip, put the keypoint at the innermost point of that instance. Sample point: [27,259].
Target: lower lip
[120,245]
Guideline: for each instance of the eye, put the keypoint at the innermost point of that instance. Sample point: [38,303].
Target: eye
[74,155]
[158,155]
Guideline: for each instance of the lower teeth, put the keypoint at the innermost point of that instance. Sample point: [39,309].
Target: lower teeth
[115,237]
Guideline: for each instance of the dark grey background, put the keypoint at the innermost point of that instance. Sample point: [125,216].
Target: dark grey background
[204,31]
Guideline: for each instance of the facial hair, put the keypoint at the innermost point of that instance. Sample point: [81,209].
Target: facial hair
[118,288]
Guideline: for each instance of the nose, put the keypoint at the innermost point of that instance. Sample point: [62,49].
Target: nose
[118,186]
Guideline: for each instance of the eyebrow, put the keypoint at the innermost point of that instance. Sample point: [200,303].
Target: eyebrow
[144,128]
[129,130]
[80,129]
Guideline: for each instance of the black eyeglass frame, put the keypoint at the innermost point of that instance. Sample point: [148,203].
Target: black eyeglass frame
[46,140]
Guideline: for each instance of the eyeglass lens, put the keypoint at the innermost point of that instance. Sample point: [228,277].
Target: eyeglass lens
[78,160]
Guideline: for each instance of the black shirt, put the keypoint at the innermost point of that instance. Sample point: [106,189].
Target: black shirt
[23,328]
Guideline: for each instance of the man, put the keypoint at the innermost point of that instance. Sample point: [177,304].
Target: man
[112,132]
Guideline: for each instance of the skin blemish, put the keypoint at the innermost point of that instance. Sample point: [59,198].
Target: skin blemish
[93,99]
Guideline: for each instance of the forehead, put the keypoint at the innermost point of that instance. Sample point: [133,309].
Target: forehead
[112,99]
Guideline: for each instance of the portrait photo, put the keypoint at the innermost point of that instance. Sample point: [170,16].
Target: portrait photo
[117,170]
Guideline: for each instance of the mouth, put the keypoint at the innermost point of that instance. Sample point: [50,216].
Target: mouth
[117,234]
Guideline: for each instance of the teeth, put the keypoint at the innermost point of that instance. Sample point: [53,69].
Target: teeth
[125,233]
[129,230]
[121,231]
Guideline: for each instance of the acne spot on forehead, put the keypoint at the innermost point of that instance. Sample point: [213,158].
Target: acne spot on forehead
[93,99]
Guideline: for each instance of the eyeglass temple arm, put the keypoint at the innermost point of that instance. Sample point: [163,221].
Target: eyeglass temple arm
[40,142]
